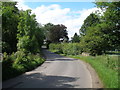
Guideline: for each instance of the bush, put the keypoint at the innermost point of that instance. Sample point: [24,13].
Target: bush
[77,48]
[24,44]
[5,47]
[7,70]
[18,63]
[66,48]
[56,48]
[72,49]
[29,61]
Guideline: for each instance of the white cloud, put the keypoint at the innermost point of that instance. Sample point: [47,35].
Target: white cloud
[52,13]
[77,22]
[21,5]
[73,20]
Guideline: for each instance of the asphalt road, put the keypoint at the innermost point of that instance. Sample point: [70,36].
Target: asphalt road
[56,72]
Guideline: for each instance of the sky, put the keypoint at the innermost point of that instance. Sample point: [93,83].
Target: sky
[70,14]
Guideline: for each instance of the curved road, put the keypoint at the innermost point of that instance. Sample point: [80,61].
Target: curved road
[56,72]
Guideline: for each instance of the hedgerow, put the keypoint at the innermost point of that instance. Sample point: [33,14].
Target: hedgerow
[66,48]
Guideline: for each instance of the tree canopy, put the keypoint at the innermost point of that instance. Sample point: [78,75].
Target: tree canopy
[90,21]
[30,37]
[56,32]
[112,18]
[20,30]
[101,33]
[10,17]
[75,38]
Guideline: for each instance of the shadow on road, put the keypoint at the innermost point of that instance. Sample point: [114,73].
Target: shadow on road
[50,56]
[61,59]
[37,80]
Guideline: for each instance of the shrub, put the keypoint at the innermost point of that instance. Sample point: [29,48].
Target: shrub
[24,44]
[71,49]
[56,48]
[5,47]
[7,70]
[29,61]
[66,48]
[18,63]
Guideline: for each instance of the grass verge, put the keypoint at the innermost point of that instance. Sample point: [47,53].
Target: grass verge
[106,67]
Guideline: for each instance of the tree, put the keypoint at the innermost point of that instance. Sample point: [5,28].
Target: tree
[90,21]
[94,41]
[56,32]
[75,38]
[47,27]
[30,36]
[40,36]
[10,16]
[98,37]
[112,18]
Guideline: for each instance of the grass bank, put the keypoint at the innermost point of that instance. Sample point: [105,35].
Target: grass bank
[106,66]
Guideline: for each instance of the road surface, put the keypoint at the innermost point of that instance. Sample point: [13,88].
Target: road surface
[56,72]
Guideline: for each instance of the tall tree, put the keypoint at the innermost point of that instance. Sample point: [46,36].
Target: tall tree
[95,41]
[105,35]
[47,27]
[91,20]
[56,32]
[75,38]
[30,37]
[112,18]
[10,16]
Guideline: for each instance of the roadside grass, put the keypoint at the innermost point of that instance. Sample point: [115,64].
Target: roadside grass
[106,66]
[56,51]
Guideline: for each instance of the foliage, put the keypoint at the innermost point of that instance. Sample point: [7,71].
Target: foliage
[95,41]
[112,19]
[56,32]
[10,15]
[18,63]
[75,38]
[23,35]
[7,69]
[56,48]
[90,21]
[99,34]
[24,44]
[92,37]
[71,49]
[30,36]
[39,37]
[66,48]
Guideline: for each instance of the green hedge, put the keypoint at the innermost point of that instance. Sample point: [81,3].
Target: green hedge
[66,48]
[74,49]
[18,63]
[56,48]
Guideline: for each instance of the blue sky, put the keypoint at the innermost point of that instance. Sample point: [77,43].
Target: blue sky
[70,14]
[73,5]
